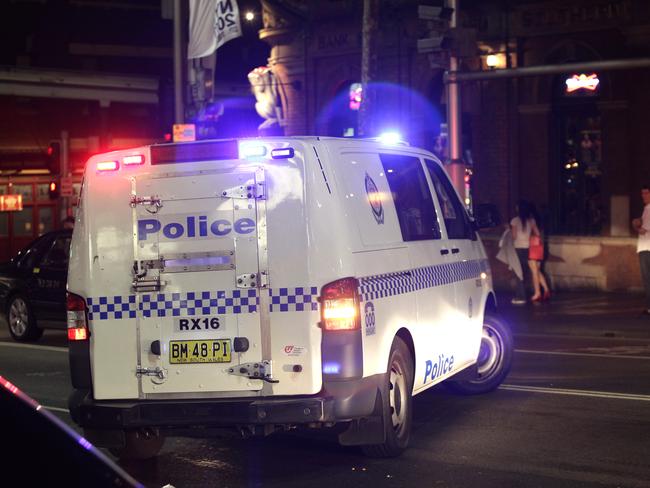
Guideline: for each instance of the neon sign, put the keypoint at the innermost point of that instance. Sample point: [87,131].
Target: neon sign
[582,82]
[356,96]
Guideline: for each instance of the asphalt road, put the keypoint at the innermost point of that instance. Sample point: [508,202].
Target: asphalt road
[574,412]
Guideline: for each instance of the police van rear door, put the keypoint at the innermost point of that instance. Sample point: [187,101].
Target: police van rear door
[196,277]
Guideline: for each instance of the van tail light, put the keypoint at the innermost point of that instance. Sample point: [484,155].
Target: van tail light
[77,323]
[340,305]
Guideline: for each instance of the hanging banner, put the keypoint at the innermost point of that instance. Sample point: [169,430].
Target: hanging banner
[228,25]
[212,24]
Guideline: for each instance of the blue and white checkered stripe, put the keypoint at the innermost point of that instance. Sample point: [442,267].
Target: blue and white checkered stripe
[386,285]
[174,304]
[390,284]
[298,299]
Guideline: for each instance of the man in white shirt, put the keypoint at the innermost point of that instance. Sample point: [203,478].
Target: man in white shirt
[642,226]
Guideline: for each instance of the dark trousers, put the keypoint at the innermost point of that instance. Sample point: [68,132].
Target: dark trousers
[644,262]
[520,292]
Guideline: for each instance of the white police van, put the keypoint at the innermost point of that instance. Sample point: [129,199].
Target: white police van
[265,284]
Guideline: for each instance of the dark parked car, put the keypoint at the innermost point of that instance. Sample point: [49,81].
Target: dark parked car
[33,286]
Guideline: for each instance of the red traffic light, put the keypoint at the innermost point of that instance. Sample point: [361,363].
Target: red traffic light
[54,190]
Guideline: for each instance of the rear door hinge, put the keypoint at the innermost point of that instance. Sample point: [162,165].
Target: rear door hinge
[152,201]
[158,372]
[261,370]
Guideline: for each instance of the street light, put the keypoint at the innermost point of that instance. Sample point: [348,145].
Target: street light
[249,16]
[492,61]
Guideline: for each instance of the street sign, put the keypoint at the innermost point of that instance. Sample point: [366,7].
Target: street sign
[184,132]
[66,186]
[11,203]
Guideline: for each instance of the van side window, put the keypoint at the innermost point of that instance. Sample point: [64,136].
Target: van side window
[413,201]
[453,212]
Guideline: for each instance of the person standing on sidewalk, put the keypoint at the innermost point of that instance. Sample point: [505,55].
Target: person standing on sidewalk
[540,285]
[642,227]
[521,227]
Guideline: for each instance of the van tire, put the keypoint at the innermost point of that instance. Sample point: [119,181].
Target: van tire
[21,320]
[494,359]
[397,398]
[140,444]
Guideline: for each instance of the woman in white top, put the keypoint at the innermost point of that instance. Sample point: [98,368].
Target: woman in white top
[521,227]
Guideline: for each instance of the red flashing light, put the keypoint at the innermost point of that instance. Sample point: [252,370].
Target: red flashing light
[168,137]
[340,305]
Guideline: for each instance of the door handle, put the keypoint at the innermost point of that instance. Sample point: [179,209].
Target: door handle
[455,250]
[444,252]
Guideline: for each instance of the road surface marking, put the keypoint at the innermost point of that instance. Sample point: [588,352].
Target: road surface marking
[581,354]
[582,393]
[592,336]
[32,346]
[56,409]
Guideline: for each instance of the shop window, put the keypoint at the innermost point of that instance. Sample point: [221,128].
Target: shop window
[43,192]
[3,190]
[4,224]
[23,223]
[582,209]
[27,191]
[45,220]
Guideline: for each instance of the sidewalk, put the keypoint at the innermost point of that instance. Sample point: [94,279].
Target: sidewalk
[580,313]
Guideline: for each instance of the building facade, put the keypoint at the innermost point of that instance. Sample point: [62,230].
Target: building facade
[574,146]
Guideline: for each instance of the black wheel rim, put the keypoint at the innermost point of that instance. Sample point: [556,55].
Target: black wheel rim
[18,317]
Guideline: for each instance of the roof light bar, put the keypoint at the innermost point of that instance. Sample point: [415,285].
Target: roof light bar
[390,138]
[107,166]
[249,151]
[283,153]
[133,159]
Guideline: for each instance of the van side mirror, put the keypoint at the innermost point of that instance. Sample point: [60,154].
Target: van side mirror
[486,215]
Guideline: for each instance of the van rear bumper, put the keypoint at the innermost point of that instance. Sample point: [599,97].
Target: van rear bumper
[338,401]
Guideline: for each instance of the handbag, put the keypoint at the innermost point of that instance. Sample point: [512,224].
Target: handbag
[536,248]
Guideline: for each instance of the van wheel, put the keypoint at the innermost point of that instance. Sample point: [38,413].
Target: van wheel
[21,320]
[494,359]
[140,444]
[398,403]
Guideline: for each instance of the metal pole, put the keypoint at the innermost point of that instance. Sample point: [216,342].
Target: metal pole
[456,168]
[453,76]
[65,171]
[179,115]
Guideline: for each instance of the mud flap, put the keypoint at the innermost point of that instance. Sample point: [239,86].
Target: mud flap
[366,431]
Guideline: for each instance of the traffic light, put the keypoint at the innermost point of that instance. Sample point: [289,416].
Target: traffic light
[441,37]
[54,157]
[54,190]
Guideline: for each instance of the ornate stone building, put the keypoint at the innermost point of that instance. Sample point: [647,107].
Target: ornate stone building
[578,154]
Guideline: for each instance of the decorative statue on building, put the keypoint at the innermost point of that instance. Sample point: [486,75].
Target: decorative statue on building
[266,89]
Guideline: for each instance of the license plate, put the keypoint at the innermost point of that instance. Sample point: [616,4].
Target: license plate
[206,351]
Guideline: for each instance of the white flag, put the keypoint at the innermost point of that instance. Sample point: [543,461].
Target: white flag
[212,24]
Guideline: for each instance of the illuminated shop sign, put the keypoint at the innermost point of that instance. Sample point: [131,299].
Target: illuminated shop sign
[582,82]
[11,203]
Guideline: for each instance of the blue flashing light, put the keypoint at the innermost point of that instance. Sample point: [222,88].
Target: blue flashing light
[390,138]
[282,153]
[331,368]
[252,150]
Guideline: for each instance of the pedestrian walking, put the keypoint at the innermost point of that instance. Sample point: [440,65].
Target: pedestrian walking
[642,227]
[521,227]
[542,291]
